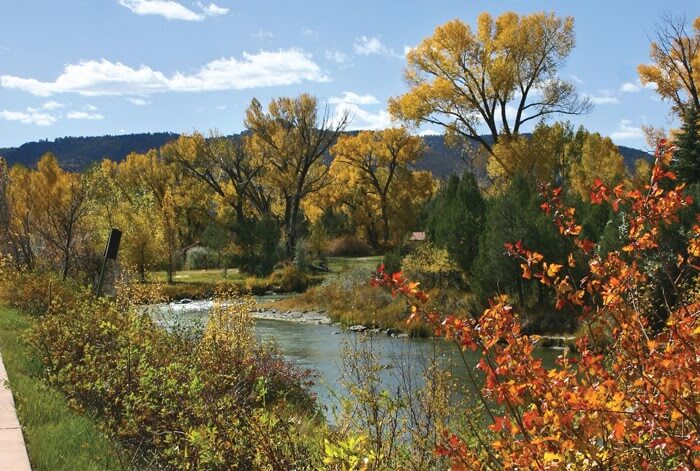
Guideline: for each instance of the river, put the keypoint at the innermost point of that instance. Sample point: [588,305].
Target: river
[319,348]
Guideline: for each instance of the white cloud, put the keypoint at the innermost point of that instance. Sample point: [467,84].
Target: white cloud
[407,49]
[51,105]
[263,34]
[338,57]
[363,119]
[576,79]
[84,115]
[139,101]
[212,9]
[220,107]
[625,130]
[90,107]
[365,46]
[360,118]
[31,116]
[309,33]
[353,99]
[606,97]
[634,87]
[95,78]
[429,132]
[173,10]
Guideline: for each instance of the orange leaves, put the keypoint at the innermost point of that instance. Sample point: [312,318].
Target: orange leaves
[599,192]
[619,430]
[552,269]
[630,387]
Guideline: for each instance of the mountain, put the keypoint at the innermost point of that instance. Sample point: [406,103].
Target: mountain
[443,160]
[77,153]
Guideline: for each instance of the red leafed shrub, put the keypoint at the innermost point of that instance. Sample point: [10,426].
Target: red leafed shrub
[630,397]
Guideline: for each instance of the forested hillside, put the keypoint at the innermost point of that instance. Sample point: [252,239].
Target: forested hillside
[77,153]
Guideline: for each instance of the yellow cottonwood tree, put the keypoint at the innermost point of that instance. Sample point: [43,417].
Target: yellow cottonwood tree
[135,211]
[600,159]
[226,166]
[290,139]
[58,206]
[544,155]
[675,67]
[501,75]
[17,221]
[374,184]
[143,181]
[379,162]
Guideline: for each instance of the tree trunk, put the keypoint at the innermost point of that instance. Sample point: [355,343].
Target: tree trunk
[142,265]
[66,264]
[170,267]
[385,219]
[293,216]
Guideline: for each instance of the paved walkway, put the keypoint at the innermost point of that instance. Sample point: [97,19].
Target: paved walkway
[13,453]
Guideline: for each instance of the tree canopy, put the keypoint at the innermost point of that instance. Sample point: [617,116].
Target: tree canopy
[502,76]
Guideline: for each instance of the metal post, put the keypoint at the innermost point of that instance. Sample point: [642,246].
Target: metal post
[110,253]
[98,292]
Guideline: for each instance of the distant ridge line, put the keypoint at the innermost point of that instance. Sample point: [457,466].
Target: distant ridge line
[78,153]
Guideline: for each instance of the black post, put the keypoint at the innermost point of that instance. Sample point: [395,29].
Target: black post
[110,253]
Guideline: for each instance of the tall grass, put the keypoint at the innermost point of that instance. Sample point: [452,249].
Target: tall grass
[57,438]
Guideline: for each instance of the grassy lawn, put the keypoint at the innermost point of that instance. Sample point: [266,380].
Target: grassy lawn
[198,283]
[57,438]
[213,275]
[342,264]
[210,276]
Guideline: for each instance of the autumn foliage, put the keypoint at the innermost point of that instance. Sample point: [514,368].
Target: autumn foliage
[629,398]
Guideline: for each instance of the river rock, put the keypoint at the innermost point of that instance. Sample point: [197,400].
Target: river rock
[357,328]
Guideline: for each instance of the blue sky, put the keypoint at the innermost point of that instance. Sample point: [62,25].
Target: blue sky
[92,67]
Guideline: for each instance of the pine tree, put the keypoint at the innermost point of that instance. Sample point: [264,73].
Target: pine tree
[686,161]
[514,216]
[456,219]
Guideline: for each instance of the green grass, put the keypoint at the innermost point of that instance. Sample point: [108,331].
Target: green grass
[57,438]
[210,276]
[341,264]
[197,284]
[213,275]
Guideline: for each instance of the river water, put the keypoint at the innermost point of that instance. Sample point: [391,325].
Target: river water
[319,348]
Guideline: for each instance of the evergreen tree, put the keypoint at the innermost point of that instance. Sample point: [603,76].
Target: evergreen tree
[456,219]
[513,216]
[686,161]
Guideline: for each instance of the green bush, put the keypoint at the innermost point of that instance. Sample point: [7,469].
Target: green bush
[221,400]
[430,265]
[392,261]
[33,292]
